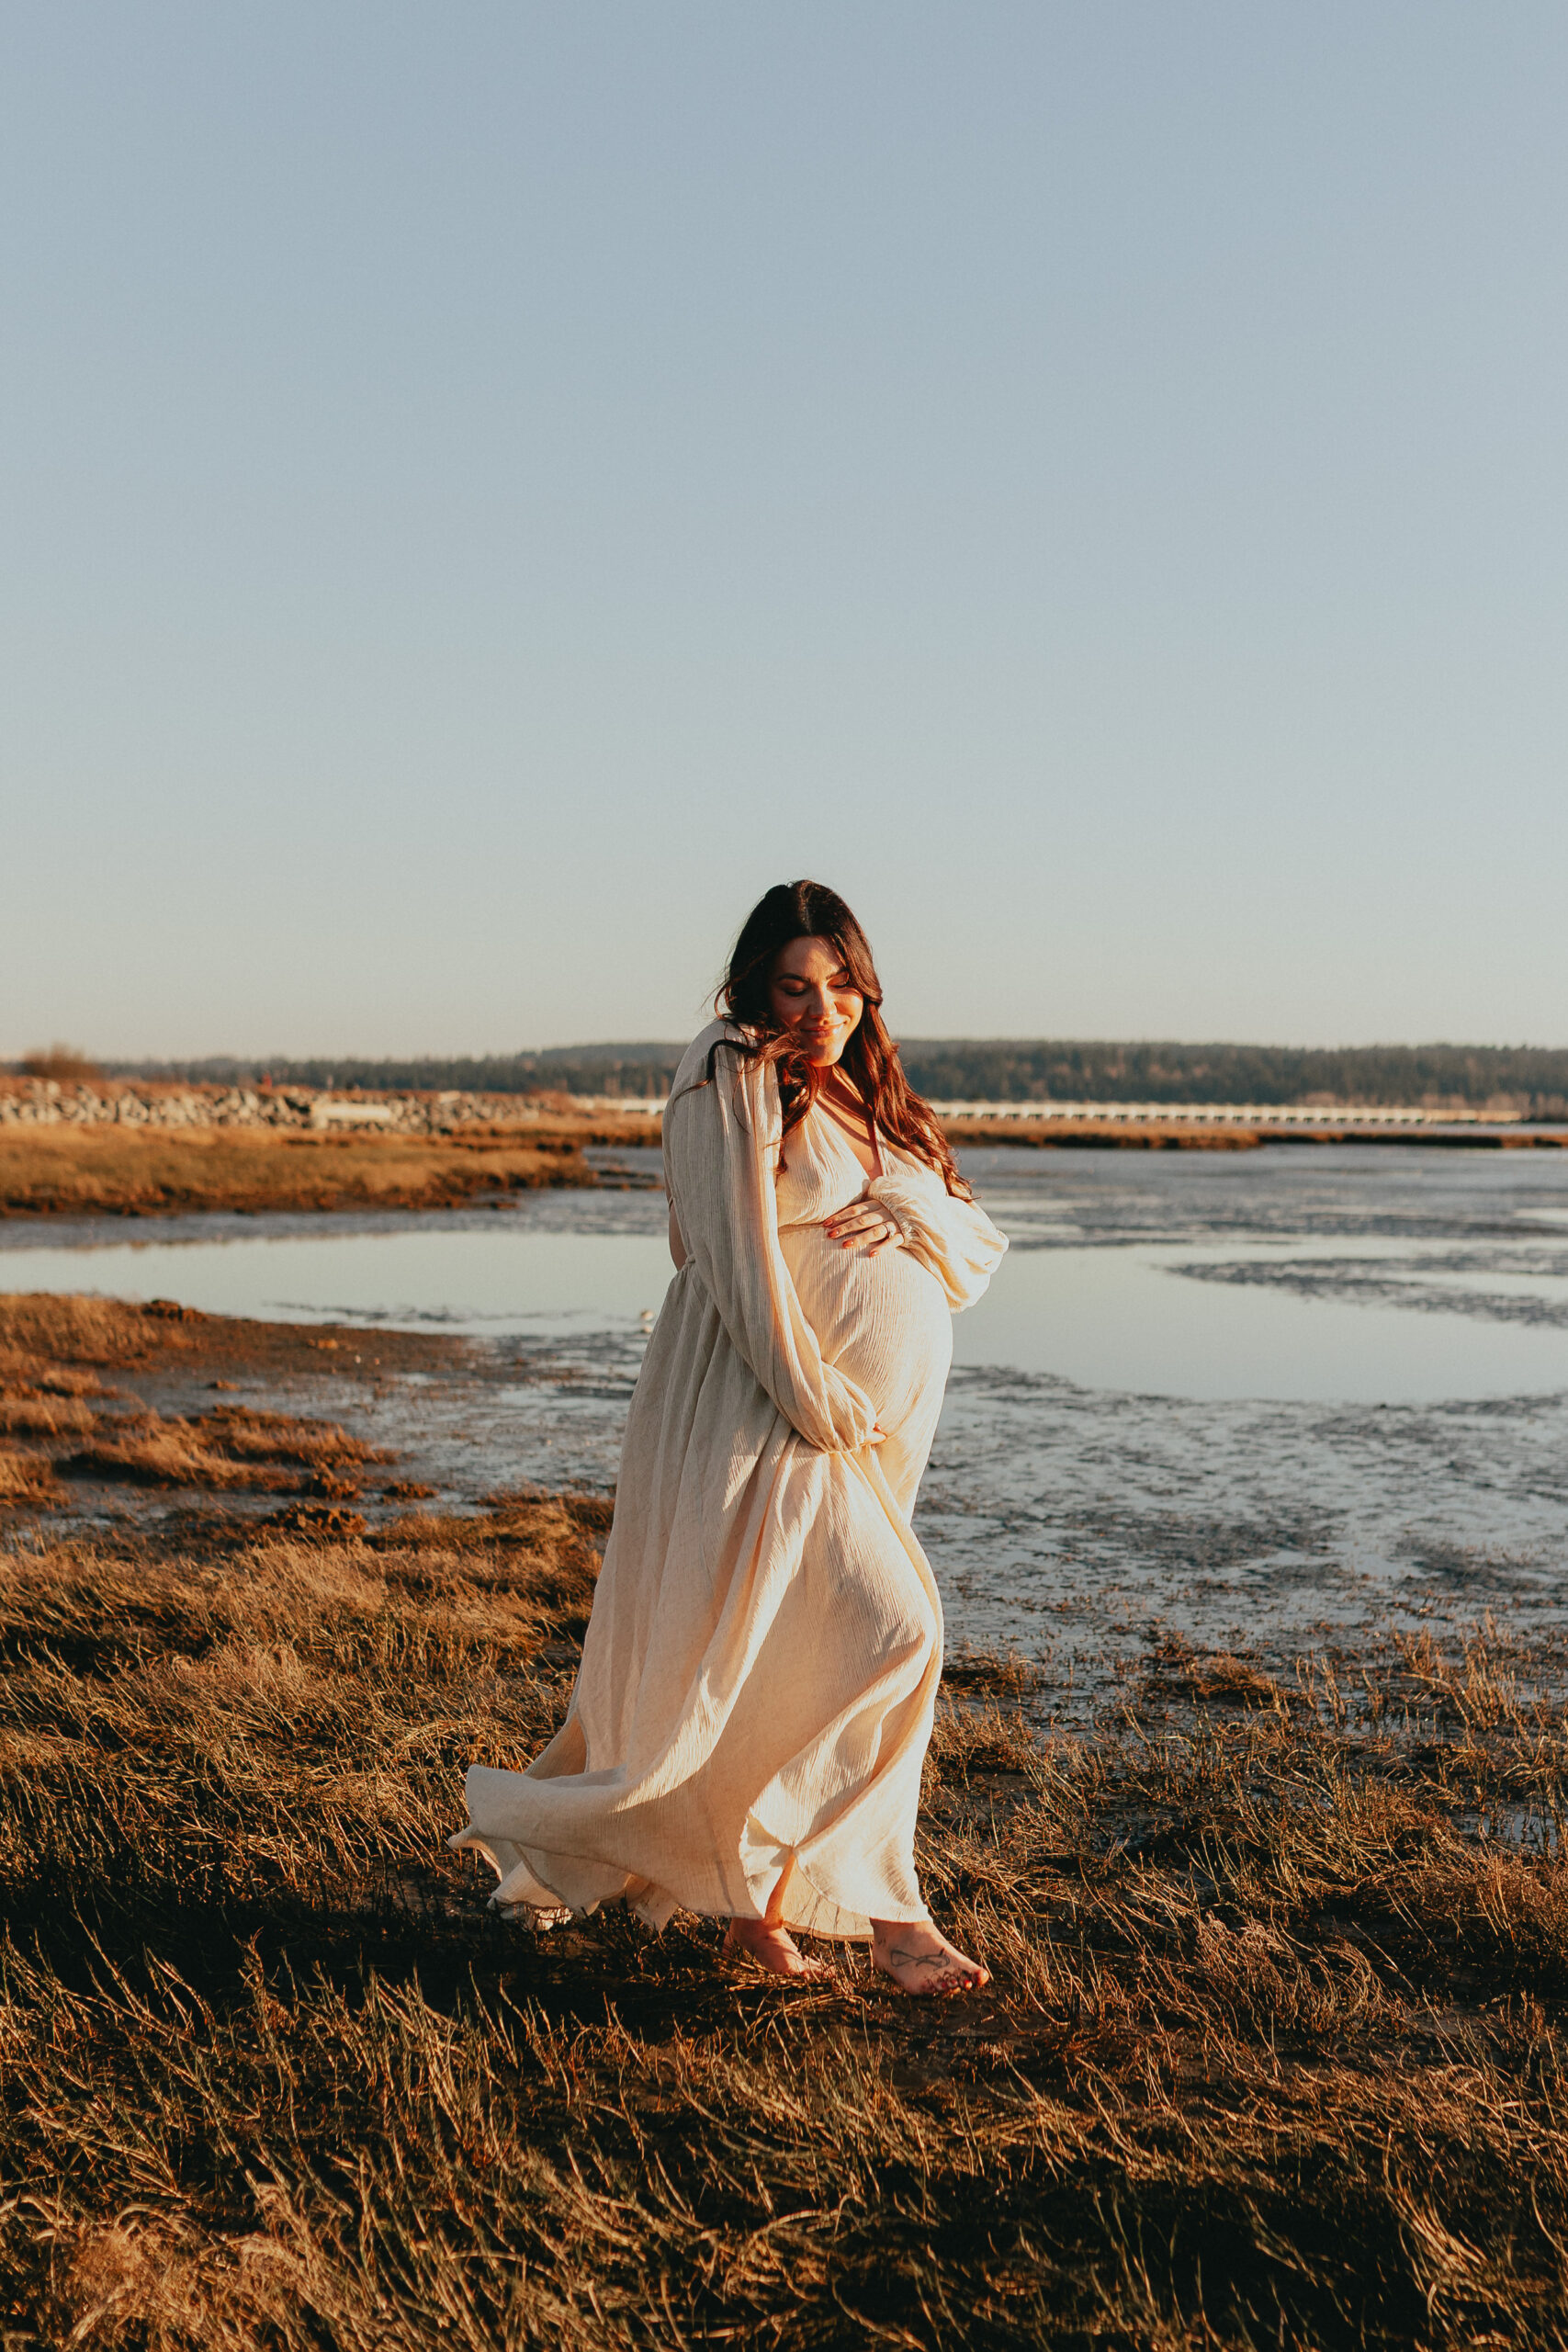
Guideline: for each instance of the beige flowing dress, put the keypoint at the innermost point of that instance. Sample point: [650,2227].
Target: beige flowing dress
[758,1680]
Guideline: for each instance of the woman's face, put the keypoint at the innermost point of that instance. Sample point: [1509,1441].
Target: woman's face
[813,995]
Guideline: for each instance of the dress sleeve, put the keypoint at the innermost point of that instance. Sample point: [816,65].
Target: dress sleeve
[721,1142]
[954,1239]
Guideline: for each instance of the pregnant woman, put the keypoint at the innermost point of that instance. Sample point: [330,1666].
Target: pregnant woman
[759,1677]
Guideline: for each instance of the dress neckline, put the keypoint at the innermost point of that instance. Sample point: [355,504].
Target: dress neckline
[845,1129]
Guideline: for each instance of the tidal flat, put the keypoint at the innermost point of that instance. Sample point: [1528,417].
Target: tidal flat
[1284,1397]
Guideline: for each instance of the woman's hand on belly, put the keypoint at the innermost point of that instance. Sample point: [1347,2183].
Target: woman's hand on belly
[864,1225]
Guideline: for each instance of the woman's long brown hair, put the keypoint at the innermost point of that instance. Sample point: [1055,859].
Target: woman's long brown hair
[810,910]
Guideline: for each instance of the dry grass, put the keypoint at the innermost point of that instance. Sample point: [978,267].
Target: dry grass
[115,1170]
[1273,2053]
[1179,1672]
[82,1430]
[69,1064]
[1098,1135]
[44,1416]
[62,1346]
[47,1337]
[25,1478]
[1113,1135]
[226,1449]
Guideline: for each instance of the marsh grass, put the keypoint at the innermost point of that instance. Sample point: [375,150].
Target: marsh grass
[152,1171]
[1272,2056]
[24,1478]
[228,1447]
[55,1345]
[68,1064]
[1273,2052]
[52,1351]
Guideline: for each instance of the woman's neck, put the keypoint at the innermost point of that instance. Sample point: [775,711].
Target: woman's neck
[842,1102]
[838,1090]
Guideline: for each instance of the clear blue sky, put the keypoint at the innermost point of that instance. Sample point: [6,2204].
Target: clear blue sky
[485,490]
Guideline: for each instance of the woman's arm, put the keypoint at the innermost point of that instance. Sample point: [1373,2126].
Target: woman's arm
[720,1143]
[677,1247]
[953,1239]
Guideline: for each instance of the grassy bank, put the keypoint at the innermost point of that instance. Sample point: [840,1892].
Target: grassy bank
[1110,1134]
[118,1172]
[1273,2053]
[115,1171]
[107,1170]
[1095,1134]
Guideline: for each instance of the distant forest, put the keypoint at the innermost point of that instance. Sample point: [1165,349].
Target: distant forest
[1532,1080]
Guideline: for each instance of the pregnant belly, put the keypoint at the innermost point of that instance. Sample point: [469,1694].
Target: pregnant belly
[883,1321]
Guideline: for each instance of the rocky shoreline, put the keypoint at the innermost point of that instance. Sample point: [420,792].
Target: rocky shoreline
[109,1103]
[104,1149]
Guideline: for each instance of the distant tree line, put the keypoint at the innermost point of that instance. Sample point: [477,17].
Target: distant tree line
[1529,1078]
[633,1070]
[1532,1080]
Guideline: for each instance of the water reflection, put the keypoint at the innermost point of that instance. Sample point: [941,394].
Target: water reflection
[1354,1275]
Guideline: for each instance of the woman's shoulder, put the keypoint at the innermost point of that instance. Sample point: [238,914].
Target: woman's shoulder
[696,1062]
[716,1088]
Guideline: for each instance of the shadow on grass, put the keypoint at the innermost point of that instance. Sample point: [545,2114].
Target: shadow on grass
[1272,2054]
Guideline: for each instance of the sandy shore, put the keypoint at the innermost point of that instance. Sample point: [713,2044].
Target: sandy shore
[1274,2051]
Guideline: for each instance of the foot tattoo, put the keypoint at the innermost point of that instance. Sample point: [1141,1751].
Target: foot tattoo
[919,1960]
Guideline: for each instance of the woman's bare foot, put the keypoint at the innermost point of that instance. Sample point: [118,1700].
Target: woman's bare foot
[920,1959]
[773,1949]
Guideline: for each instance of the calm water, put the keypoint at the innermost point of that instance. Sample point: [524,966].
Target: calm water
[1246,1392]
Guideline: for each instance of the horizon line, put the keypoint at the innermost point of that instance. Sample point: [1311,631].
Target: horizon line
[12,1063]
